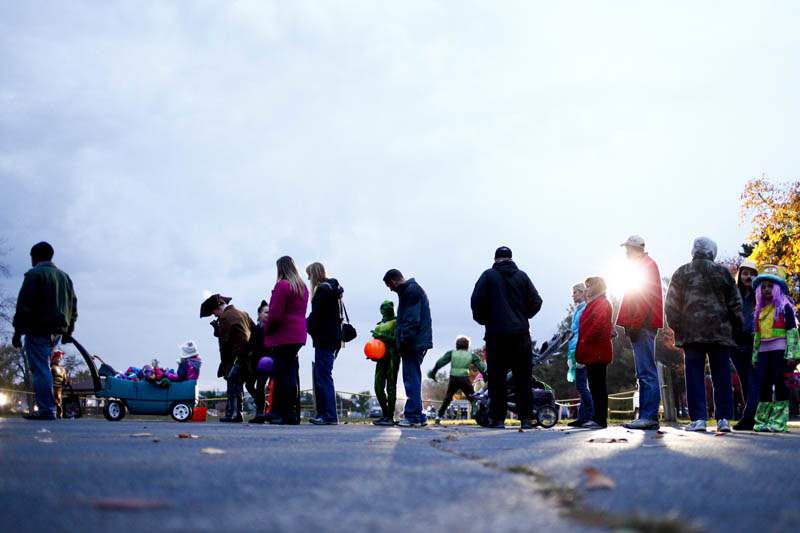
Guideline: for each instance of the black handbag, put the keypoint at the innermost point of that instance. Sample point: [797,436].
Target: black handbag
[348,331]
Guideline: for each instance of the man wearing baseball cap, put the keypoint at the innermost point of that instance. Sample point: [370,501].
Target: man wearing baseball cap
[641,314]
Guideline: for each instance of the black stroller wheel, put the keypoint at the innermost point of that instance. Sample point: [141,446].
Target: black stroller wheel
[547,416]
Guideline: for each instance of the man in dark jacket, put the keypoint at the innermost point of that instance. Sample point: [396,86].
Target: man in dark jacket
[414,339]
[503,301]
[704,310]
[46,312]
[233,328]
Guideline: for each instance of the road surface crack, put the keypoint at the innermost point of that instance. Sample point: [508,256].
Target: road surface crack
[571,502]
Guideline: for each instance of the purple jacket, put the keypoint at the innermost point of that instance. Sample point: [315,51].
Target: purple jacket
[286,320]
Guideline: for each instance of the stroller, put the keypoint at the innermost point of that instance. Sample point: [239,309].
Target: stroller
[544,408]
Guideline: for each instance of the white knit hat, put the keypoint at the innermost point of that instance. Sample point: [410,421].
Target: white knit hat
[189,349]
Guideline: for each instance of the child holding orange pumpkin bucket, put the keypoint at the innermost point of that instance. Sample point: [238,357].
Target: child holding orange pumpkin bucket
[387,365]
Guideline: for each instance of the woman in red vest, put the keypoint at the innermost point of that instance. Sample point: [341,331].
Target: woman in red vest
[594,348]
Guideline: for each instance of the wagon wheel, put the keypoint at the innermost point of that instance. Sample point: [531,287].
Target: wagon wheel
[114,410]
[181,411]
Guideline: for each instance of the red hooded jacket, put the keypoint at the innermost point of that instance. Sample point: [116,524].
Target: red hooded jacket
[643,307]
[594,333]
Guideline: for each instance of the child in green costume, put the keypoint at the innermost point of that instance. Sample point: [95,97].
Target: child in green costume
[776,343]
[460,361]
[388,366]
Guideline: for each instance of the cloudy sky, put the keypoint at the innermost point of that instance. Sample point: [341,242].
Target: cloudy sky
[167,149]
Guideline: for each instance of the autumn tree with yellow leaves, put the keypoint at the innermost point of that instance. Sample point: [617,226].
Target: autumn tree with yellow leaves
[773,210]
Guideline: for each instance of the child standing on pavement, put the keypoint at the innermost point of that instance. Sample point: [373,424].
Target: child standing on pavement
[59,380]
[388,366]
[776,343]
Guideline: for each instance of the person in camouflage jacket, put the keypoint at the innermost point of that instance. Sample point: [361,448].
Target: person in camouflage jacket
[704,309]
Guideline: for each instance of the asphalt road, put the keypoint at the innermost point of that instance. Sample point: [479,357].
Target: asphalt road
[93,475]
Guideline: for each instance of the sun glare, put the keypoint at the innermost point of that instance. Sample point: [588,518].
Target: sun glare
[623,276]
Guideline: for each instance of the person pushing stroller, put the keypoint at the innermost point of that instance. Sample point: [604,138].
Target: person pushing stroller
[460,361]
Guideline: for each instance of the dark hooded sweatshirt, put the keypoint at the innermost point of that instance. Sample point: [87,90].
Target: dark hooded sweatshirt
[325,320]
[504,299]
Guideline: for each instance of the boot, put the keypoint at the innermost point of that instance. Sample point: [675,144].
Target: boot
[745,424]
[763,412]
[780,417]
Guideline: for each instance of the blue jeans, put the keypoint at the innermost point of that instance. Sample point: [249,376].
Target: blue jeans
[586,408]
[324,391]
[38,349]
[720,362]
[644,356]
[412,381]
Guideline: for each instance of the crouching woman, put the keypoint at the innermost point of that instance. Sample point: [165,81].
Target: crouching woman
[594,347]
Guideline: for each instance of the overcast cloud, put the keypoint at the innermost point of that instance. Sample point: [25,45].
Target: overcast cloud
[165,149]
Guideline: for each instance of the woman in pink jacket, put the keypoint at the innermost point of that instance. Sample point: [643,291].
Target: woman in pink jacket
[284,335]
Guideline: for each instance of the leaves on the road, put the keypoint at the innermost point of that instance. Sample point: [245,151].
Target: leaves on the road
[609,440]
[140,435]
[213,451]
[44,440]
[720,434]
[596,480]
[187,436]
[128,504]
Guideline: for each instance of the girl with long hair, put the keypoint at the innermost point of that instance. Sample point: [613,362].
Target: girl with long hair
[776,341]
[325,327]
[284,335]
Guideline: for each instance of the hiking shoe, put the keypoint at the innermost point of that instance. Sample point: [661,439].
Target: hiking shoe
[642,423]
[723,426]
[591,424]
[577,423]
[697,425]
[745,424]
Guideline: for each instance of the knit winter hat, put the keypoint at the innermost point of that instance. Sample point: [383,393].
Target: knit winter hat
[189,349]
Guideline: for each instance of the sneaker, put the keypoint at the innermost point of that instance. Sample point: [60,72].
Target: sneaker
[576,423]
[642,423]
[438,421]
[406,423]
[697,425]
[745,424]
[319,421]
[384,422]
[591,424]
[723,426]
